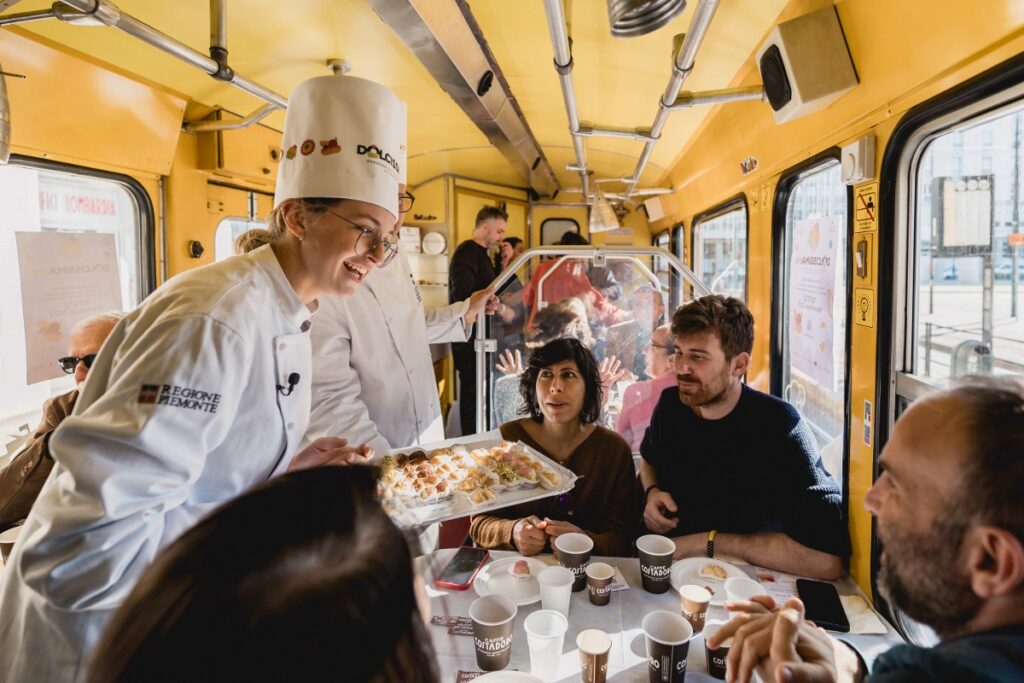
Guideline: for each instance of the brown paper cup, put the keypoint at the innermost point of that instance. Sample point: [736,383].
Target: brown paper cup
[655,562]
[573,553]
[716,657]
[493,617]
[667,637]
[594,646]
[695,602]
[599,582]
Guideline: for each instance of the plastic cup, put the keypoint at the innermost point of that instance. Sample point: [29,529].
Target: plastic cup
[599,582]
[738,589]
[573,553]
[695,601]
[492,617]
[594,646]
[556,588]
[716,657]
[545,635]
[667,636]
[655,562]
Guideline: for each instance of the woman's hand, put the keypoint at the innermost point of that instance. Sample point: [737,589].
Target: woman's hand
[611,371]
[555,528]
[510,363]
[528,535]
[478,301]
[330,450]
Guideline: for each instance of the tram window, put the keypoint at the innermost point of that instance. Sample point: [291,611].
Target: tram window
[814,309]
[720,252]
[552,229]
[37,200]
[661,268]
[969,245]
[228,231]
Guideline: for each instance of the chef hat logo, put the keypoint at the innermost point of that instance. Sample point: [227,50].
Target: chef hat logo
[346,114]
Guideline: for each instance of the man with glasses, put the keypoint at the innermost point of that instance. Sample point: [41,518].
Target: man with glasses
[639,399]
[22,479]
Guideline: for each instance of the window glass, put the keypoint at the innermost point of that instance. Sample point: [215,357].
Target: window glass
[552,229]
[37,201]
[815,302]
[661,267]
[228,230]
[969,242]
[720,252]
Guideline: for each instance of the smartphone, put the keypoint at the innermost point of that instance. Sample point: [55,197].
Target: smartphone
[822,605]
[460,571]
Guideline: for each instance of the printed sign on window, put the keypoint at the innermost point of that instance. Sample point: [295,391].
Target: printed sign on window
[812,298]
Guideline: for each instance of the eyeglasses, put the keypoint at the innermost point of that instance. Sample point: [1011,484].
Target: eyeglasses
[369,240]
[405,201]
[69,363]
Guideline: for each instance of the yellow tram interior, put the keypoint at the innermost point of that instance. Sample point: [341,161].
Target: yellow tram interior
[726,185]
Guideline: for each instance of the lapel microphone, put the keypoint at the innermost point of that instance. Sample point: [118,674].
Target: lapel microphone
[293,380]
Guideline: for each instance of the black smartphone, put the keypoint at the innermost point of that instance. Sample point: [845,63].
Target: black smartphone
[460,571]
[822,605]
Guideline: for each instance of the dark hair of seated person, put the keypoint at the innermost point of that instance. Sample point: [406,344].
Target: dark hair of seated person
[303,578]
[558,351]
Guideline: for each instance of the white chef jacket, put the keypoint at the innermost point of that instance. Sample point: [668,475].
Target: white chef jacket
[373,378]
[181,412]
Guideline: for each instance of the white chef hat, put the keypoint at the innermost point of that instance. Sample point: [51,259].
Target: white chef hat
[343,138]
[403,151]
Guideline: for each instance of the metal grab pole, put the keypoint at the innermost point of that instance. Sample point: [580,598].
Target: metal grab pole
[483,345]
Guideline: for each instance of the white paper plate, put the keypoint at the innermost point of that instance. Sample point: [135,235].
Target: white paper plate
[508,677]
[494,579]
[434,243]
[687,571]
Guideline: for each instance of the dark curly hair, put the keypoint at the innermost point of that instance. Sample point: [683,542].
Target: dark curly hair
[555,352]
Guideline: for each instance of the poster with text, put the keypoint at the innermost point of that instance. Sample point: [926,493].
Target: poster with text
[812,286]
[65,278]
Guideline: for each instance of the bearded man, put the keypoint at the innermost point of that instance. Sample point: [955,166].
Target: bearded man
[732,471]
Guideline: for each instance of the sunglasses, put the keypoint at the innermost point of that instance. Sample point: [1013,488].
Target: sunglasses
[69,363]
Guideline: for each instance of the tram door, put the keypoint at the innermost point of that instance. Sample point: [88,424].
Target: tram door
[814,284]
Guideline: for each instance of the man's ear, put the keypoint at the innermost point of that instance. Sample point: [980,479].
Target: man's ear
[995,561]
[740,363]
[294,217]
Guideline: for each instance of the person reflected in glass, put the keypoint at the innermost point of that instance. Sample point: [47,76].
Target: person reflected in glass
[561,391]
[510,315]
[640,398]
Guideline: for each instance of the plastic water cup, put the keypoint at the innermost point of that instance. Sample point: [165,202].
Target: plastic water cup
[545,635]
[556,588]
[738,589]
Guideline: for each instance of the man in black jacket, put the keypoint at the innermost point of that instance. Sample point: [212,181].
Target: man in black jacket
[951,519]
[472,270]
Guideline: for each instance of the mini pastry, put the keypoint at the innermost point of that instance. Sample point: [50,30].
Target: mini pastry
[520,569]
[713,571]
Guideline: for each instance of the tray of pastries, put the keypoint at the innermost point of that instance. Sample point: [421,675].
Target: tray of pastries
[425,484]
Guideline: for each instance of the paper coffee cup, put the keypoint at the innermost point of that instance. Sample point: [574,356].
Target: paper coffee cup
[573,553]
[594,646]
[545,635]
[492,617]
[738,589]
[655,562]
[667,637]
[7,540]
[717,656]
[556,588]
[695,600]
[599,582]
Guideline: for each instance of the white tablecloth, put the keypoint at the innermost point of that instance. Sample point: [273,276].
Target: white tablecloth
[627,661]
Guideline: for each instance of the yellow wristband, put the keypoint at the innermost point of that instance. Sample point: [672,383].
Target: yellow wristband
[711,542]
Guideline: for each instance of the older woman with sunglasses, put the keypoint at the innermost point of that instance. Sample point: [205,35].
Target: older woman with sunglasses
[561,389]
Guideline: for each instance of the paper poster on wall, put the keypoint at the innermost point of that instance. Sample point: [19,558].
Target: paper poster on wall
[65,277]
[813,306]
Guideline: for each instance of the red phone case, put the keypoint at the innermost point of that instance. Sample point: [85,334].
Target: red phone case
[462,586]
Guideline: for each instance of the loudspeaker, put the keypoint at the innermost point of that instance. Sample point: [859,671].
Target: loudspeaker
[805,65]
[654,209]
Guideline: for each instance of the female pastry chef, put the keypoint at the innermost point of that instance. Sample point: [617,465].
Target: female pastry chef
[203,390]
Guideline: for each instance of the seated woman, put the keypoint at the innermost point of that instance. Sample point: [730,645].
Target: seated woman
[303,575]
[561,390]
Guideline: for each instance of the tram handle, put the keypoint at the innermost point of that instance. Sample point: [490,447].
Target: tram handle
[484,345]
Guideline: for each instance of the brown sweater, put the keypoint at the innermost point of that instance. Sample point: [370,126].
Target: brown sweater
[23,478]
[603,502]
